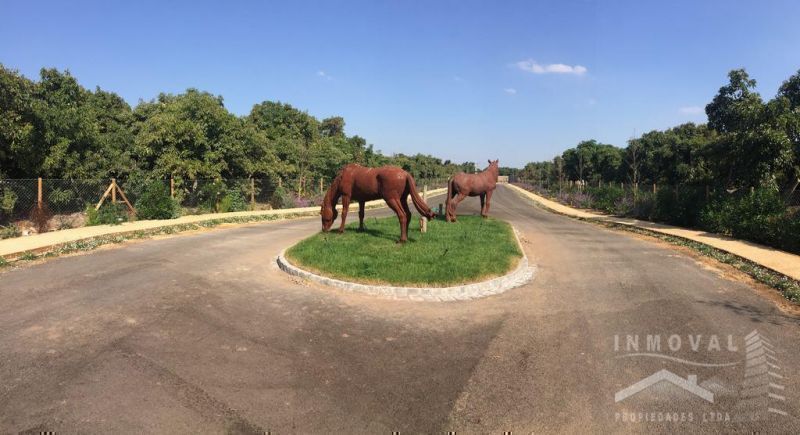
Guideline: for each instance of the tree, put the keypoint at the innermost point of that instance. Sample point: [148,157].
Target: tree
[332,127]
[753,147]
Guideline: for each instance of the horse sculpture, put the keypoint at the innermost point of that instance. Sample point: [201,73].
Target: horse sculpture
[357,183]
[462,185]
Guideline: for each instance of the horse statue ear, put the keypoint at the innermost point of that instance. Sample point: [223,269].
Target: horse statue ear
[490,162]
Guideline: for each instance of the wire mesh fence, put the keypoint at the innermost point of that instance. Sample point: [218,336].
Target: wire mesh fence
[38,205]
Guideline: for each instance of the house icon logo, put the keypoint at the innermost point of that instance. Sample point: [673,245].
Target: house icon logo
[689,384]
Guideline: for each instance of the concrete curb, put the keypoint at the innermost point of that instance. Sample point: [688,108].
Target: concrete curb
[522,274]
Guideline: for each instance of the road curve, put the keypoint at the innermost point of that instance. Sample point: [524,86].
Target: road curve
[202,333]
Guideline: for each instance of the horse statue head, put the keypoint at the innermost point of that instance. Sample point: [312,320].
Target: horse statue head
[494,165]
[329,215]
[328,211]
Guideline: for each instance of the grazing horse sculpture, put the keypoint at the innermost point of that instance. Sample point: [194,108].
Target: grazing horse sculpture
[462,185]
[361,184]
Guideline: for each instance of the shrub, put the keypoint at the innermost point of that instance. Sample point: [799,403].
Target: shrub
[155,202]
[281,198]
[679,205]
[606,198]
[760,216]
[8,202]
[9,231]
[232,201]
[109,214]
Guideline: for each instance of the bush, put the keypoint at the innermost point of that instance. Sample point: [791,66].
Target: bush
[606,198]
[9,231]
[760,216]
[232,201]
[679,206]
[281,198]
[155,202]
[8,202]
[109,214]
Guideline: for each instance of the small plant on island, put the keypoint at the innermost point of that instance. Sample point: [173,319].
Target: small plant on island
[474,249]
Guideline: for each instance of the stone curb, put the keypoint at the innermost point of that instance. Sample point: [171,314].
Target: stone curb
[521,275]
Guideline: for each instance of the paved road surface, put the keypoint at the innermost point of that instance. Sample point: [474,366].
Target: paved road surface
[202,333]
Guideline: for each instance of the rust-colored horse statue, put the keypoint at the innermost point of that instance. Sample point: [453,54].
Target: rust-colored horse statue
[462,185]
[357,183]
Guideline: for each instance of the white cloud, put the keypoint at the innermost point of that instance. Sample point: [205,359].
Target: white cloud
[692,110]
[324,75]
[534,67]
[510,91]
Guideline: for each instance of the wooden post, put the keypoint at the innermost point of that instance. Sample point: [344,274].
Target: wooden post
[423,224]
[114,190]
[252,193]
[654,189]
[39,194]
[321,183]
[171,187]
[280,182]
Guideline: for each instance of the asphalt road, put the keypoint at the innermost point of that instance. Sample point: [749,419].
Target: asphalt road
[202,333]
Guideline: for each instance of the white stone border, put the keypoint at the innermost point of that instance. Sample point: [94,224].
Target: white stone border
[523,273]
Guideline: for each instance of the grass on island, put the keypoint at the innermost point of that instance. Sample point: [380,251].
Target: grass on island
[470,250]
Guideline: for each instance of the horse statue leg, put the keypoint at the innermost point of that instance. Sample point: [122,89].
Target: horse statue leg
[404,203]
[345,208]
[483,203]
[488,203]
[361,216]
[394,204]
[454,204]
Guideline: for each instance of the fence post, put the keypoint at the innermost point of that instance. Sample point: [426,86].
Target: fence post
[321,183]
[39,193]
[113,190]
[252,193]
[171,187]
[654,188]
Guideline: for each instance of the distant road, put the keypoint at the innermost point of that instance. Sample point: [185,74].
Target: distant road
[202,333]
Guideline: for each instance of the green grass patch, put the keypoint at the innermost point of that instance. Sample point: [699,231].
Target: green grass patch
[473,249]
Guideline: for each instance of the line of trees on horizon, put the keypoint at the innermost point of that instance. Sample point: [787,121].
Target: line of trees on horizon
[747,143]
[56,128]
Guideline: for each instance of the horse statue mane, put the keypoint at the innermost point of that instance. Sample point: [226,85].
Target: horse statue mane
[357,183]
[482,184]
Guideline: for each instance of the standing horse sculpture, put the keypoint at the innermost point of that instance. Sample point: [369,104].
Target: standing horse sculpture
[357,183]
[461,185]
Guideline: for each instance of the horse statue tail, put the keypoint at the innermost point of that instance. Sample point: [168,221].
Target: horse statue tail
[419,204]
[450,190]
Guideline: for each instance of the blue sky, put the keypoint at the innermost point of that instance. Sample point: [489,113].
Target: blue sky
[463,80]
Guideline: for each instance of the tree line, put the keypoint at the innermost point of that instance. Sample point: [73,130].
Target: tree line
[747,143]
[56,128]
